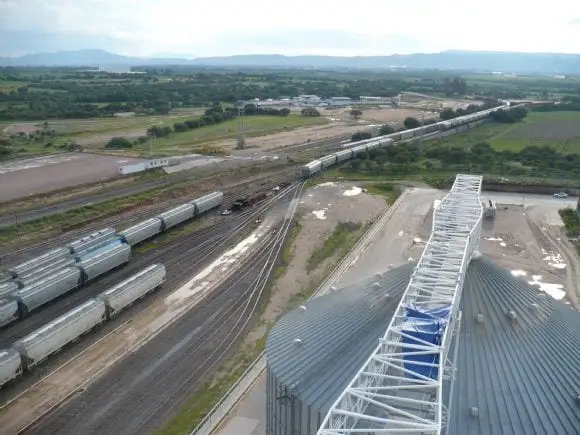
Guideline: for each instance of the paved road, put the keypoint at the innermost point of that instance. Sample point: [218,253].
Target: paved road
[529,199]
[119,192]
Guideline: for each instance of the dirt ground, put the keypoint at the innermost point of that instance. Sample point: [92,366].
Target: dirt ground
[341,124]
[28,177]
[321,209]
[528,237]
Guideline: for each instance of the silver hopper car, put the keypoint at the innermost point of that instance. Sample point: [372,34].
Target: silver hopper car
[105,261]
[38,262]
[135,287]
[53,336]
[10,365]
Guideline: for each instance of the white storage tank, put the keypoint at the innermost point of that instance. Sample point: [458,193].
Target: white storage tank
[10,365]
[142,231]
[53,336]
[105,261]
[8,311]
[93,239]
[128,291]
[177,215]
[38,262]
[51,287]
[207,202]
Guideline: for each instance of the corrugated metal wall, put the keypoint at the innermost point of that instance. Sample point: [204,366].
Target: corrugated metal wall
[286,414]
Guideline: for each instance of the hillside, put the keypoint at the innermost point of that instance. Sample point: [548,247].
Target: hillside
[520,63]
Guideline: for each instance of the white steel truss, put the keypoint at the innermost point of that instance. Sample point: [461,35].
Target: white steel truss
[399,389]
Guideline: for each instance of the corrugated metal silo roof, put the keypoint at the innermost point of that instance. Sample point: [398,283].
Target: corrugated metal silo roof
[336,333]
[523,373]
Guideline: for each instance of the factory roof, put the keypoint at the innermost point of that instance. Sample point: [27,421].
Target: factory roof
[519,358]
[517,365]
[316,351]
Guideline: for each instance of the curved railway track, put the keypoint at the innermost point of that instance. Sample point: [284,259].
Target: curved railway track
[174,364]
[181,258]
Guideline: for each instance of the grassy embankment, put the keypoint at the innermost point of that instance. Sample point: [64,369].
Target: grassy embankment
[572,225]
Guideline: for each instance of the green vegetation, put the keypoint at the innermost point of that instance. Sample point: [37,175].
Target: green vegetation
[572,225]
[389,191]
[287,252]
[210,393]
[339,237]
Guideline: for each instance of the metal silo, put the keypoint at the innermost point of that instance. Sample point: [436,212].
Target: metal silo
[315,350]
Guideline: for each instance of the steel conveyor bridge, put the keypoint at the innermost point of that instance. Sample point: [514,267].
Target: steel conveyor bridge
[405,385]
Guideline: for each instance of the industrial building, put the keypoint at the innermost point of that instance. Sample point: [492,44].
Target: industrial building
[517,365]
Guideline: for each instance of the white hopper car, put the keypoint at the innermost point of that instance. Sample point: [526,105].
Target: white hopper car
[39,261]
[53,336]
[37,346]
[126,292]
[10,365]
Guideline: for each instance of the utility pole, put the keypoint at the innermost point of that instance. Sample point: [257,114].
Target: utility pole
[241,128]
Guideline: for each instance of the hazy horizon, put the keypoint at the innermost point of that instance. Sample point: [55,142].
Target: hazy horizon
[176,28]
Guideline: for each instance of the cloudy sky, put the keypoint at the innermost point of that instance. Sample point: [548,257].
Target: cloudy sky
[189,28]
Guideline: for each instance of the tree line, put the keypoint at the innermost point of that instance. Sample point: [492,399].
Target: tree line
[480,157]
[54,93]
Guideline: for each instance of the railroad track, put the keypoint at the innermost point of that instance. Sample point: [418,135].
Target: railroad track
[181,258]
[172,365]
[232,192]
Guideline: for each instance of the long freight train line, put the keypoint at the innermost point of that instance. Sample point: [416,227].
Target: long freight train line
[189,253]
[149,386]
[8,219]
[232,192]
[182,262]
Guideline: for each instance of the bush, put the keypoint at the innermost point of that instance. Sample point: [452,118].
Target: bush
[119,143]
[179,127]
[360,135]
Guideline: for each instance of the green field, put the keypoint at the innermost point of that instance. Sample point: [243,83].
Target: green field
[560,130]
[78,128]
[255,126]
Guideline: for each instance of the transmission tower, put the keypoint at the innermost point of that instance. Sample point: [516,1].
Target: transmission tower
[241,144]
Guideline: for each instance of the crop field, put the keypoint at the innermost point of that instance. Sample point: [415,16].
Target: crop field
[560,130]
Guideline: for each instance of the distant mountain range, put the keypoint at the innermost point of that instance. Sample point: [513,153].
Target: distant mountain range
[508,62]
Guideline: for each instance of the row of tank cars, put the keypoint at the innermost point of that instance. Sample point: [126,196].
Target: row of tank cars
[354,149]
[40,280]
[31,350]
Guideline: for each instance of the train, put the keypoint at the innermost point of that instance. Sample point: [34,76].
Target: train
[42,279]
[353,149]
[37,346]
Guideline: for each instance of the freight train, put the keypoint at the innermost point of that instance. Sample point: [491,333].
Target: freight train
[352,150]
[29,351]
[42,279]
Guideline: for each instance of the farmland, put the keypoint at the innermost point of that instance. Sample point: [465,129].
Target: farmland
[558,130]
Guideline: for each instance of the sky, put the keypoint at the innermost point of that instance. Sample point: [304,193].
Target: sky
[190,28]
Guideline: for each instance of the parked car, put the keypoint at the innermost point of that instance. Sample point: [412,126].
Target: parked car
[561,195]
